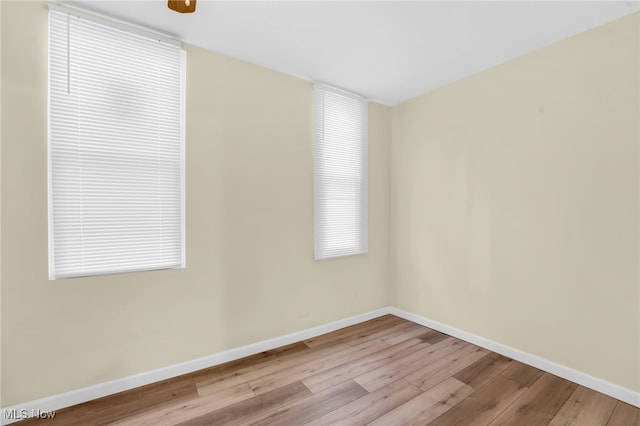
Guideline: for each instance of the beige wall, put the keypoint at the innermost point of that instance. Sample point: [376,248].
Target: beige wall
[515,203]
[250,271]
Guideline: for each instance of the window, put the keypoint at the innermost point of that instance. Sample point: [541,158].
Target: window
[340,173]
[116,156]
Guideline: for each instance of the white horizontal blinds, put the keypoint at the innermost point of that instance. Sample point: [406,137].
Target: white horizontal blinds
[116,165]
[340,174]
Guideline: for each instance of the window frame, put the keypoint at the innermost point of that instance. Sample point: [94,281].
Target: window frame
[54,274]
[362,174]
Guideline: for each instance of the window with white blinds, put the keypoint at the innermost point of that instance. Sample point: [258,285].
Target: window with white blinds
[340,173]
[116,149]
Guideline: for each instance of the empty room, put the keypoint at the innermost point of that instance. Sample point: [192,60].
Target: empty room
[320,213]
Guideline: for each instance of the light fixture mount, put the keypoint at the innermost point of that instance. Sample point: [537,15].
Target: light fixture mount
[182,6]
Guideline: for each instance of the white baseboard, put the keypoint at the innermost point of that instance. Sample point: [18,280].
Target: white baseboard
[67,399]
[623,394]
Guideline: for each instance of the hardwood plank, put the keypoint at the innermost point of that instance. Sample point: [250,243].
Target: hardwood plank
[167,415]
[379,334]
[484,405]
[522,373]
[484,370]
[274,357]
[106,413]
[250,360]
[433,337]
[114,407]
[249,409]
[248,373]
[312,407]
[72,415]
[368,408]
[624,415]
[404,366]
[435,372]
[539,404]
[348,332]
[328,378]
[407,333]
[168,390]
[177,389]
[426,406]
[280,351]
[585,407]
[302,371]
[229,368]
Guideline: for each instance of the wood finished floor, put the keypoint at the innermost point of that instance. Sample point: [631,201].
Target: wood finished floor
[384,372]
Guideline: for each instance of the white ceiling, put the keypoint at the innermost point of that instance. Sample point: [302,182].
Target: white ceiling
[386,51]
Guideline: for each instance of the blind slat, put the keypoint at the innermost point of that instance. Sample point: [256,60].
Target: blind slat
[340,174]
[116,150]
